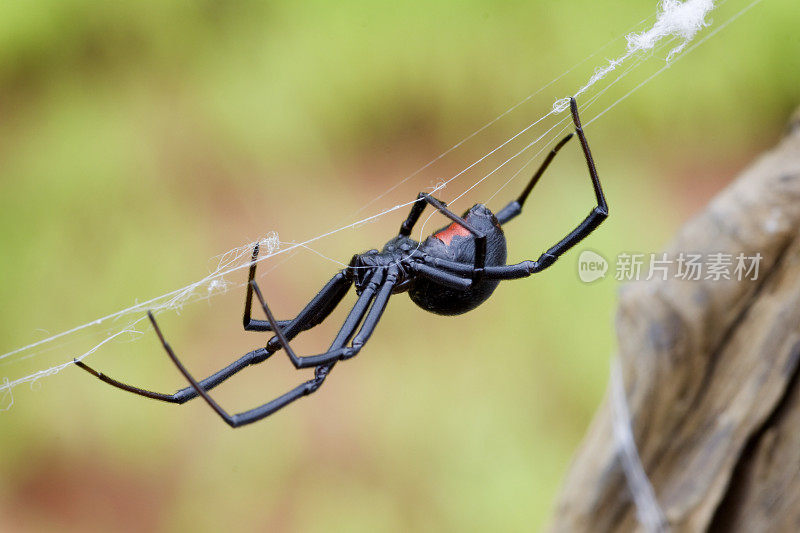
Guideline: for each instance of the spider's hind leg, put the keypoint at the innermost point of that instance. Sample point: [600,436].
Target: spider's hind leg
[514,207]
[595,217]
[315,312]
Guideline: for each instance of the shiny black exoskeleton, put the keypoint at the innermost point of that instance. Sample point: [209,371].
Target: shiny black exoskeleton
[453,244]
[451,272]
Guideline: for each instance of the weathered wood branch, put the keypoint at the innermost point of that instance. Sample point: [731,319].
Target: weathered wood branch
[710,372]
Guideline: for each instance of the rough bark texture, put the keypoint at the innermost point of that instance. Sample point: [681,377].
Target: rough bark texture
[710,373]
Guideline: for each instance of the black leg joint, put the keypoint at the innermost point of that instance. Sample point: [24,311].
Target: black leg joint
[320,373]
[544,261]
[259,356]
[184,395]
[350,351]
[252,358]
[274,344]
[508,212]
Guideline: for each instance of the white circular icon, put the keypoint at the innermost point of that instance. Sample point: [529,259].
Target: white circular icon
[591,266]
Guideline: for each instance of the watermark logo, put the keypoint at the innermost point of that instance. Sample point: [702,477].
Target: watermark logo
[683,266]
[591,266]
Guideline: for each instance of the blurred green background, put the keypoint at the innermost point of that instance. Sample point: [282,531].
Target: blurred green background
[140,139]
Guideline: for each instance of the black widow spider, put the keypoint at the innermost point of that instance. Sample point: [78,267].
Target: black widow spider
[453,271]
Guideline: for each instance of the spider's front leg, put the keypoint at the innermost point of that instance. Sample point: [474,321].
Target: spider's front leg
[324,362]
[379,288]
[188,393]
[317,310]
[251,324]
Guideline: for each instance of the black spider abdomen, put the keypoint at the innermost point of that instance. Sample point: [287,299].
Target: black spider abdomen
[454,243]
[446,301]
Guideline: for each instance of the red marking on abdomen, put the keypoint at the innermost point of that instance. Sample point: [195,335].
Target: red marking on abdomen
[447,234]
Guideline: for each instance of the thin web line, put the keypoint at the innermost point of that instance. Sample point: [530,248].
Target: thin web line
[648,511]
[562,121]
[497,118]
[687,51]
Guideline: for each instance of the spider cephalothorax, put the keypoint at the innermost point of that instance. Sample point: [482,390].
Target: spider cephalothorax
[453,271]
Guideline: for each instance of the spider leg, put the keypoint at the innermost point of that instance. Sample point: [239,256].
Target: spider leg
[338,350]
[321,371]
[374,315]
[419,207]
[184,395]
[443,270]
[252,415]
[514,207]
[443,277]
[317,310]
[250,324]
[596,216]
[352,321]
[459,275]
